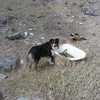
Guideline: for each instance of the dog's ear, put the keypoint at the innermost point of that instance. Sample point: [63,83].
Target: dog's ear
[57,40]
[51,40]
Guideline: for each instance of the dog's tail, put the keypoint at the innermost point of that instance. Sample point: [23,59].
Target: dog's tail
[27,59]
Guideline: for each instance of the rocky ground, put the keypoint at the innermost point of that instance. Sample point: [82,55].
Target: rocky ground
[42,20]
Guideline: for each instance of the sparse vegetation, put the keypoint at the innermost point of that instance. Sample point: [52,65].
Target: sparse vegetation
[65,80]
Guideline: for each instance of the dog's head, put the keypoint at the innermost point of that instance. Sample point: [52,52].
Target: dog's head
[54,42]
[57,42]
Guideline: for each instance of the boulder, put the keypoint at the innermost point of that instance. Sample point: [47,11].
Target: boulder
[17,36]
[3,20]
[86,11]
[8,62]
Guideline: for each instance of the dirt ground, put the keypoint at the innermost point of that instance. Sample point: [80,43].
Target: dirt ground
[46,19]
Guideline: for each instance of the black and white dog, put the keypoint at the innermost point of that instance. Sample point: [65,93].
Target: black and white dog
[43,50]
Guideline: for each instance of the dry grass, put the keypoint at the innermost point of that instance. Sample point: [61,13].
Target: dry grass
[64,81]
[60,82]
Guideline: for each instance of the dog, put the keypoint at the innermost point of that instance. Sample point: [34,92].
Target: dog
[43,50]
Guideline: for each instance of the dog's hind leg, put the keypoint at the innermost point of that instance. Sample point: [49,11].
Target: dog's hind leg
[29,60]
[30,65]
[36,63]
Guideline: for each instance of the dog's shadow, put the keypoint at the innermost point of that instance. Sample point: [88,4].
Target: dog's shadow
[44,66]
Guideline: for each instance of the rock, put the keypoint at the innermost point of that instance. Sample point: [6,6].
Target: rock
[9,8]
[24,35]
[22,98]
[13,29]
[94,34]
[25,42]
[80,23]
[86,11]
[74,3]
[38,43]
[14,36]
[8,62]
[41,16]
[3,20]
[66,3]
[42,37]
[21,61]
[31,33]
[30,29]
[31,98]
[92,2]
[9,18]
[3,76]
[17,36]
[1,96]
[7,30]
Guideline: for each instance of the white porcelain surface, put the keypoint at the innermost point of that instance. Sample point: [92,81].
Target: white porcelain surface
[73,51]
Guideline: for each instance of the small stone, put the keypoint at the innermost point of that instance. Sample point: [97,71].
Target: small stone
[31,33]
[59,23]
[81,5]
[73,16]
[74,4]
[3,20]
[13,29]
[9,8]
[25,33]
[91,2]
[80,23]
[94,34]
[22,98]
[3,76]
[30,29]
[41,16]
[42,37]
[21,61]
[71,20]
[25,42]
[38,43]
[33,43]
[66,3]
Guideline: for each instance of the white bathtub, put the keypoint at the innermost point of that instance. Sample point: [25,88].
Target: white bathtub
[76,53]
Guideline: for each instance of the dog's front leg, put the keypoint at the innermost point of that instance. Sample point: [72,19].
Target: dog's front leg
[51,60]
